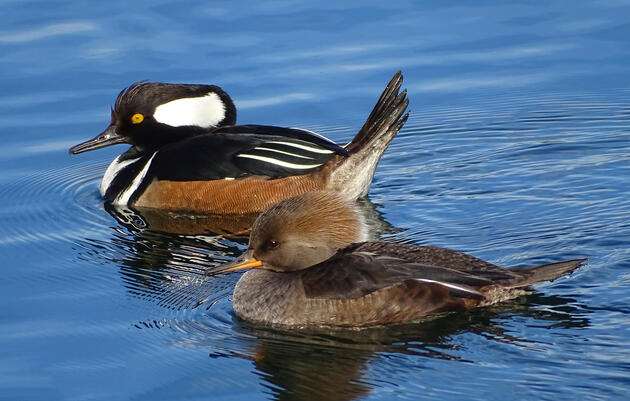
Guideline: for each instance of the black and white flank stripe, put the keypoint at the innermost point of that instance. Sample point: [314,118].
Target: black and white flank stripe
[292,155]
[285,151]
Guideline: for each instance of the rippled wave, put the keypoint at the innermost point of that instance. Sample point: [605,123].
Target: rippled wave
[517,181]
[37,206]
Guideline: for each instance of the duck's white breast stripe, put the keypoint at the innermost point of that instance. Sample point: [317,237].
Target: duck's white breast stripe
[303,147]
[451,285]
[112,171]
[124,196]
[283,152]
[279,162]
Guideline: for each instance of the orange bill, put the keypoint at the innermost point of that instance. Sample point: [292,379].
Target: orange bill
[243,262]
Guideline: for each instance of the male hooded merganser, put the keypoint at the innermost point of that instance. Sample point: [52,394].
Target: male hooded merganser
[187,155]
[312,269]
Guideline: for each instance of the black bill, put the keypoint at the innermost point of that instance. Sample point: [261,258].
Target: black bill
[106,138]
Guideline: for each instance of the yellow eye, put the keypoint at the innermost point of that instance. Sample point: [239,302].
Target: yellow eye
[137,118]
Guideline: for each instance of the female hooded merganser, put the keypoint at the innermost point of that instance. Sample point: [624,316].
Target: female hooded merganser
[312,269]
[187,155]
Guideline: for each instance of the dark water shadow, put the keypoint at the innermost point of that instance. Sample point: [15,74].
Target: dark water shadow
[234,227]
[333,364]
[139,220]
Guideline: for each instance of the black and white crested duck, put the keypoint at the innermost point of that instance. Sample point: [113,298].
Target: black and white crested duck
[188,155]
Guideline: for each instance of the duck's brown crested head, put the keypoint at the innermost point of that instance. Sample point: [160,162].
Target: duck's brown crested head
[300,232]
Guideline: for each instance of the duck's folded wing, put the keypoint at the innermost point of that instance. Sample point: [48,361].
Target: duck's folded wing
[316,140]
[241,151]
[350,275]
[428,255]
[440,257]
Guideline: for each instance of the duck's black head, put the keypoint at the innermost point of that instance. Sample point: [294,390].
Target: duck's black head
[149,115]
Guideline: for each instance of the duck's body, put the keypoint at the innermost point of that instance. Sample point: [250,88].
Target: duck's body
[187,155]
[321,278]
[376,283]
[206,174]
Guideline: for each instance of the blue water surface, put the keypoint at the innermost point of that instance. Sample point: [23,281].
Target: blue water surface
[517,151]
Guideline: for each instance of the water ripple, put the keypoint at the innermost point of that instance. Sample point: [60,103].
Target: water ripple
[39,205]
[517,181]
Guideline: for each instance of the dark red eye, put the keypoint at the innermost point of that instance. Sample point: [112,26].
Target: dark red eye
[272,244]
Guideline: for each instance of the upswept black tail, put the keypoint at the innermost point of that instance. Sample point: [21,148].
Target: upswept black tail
[380,124]
[354,174]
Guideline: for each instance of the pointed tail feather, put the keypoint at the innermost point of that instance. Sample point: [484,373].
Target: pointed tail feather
[389,99]
[353,175]
[547,272]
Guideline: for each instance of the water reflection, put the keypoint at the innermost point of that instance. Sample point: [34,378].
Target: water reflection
[235,227]
[139,220]
[346,364]
[332,364]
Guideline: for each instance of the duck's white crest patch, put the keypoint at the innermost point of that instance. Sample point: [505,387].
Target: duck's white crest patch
[303,147]
[205,111]
[124,196]
[279,162]
[112,171]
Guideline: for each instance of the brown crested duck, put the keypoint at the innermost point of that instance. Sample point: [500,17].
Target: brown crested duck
[310,266]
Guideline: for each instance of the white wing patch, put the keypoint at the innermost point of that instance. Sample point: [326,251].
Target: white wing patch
[279,162]
[468,290]
[314,133]
[303,147]
[206,111]
[283,152]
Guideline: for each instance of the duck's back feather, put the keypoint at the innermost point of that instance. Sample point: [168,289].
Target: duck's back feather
[241,151]
[354,274]
[364,268]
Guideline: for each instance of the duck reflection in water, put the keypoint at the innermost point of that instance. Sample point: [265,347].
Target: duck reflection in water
[235,227]
[139,220]
[334,364]
[344,364]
